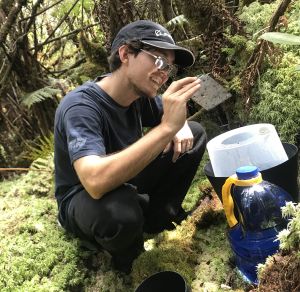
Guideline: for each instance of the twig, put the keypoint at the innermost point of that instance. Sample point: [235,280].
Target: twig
[12,16]
[32,18]
[59,24]
[23,169]
[250,74]
[16,131]
[2,66]
[15,169]
[40,12]
[278,13]
[4,78]
[80,61]
[62,36]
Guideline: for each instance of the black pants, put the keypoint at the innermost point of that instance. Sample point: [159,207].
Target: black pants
[116,221]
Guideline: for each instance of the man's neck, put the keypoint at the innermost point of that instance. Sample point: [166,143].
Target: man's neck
[118,88]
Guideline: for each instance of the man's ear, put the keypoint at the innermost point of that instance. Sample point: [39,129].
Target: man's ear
[123,53]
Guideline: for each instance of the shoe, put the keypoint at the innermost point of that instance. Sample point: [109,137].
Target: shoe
[143,200]
[181,215]
[158,227]
[160,224]
[122,264]
[90,246]
[122,261]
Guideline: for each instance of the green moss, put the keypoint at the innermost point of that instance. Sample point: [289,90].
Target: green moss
[213,241]
[194,193]
[36,254]
[279,100]
[87,71]
[290,237]
[95,52]
[163,259]
[256,16]
[284,263]
[109,281]
[214,271]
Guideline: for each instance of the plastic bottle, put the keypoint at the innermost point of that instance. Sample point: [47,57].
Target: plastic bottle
[258,205]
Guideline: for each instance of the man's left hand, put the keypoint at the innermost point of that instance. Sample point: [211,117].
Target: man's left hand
[182,142]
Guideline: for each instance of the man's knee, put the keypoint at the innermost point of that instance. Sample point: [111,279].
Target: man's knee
[200,137]
[198,131]
[120,234]
[124,207]
[124,221]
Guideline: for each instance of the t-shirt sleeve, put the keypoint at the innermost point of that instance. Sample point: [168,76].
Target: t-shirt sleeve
[84,131]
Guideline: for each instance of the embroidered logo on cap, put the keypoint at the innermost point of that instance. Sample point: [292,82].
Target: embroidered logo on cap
[158,32]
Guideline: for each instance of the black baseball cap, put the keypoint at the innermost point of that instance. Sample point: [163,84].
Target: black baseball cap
[153,34]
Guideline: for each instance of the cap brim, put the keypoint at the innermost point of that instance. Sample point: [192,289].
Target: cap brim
[183,57]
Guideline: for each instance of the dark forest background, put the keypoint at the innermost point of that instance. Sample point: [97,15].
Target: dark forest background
[49,47]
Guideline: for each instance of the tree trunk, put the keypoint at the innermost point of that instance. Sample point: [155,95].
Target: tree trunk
[20,73]
[167,9]
[113,15]
[180,31]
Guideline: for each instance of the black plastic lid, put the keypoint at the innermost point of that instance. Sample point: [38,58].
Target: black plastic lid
[247,172]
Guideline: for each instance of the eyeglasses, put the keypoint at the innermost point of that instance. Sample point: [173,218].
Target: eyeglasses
[161,63]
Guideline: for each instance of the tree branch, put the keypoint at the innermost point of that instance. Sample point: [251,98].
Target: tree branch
[63,36]
[15,129]
[11,18]
[279,12]
[32,17]
[58,25]
[80,61]
[40,12]
[4,78]
[24,169]
[14,169]
[249,75]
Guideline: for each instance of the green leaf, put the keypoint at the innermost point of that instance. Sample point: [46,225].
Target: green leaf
[39,95]
[297,68]
[281,38]
[180,19]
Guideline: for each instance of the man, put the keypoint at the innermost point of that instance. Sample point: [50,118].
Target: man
[113,182]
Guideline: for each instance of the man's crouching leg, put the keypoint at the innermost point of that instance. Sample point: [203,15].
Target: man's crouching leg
[114,222]
[167,183]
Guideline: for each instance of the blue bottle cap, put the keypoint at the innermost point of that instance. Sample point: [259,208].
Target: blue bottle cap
[247,172]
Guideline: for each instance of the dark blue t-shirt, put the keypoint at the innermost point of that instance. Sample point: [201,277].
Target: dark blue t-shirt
[89,122]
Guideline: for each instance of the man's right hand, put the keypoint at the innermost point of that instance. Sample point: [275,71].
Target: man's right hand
[175,99]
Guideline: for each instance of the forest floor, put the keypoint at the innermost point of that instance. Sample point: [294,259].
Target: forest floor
[37,255]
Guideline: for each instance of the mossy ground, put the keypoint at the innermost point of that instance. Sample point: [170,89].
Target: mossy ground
[37,255]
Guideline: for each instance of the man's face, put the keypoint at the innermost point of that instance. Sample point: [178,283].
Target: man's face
[144,73]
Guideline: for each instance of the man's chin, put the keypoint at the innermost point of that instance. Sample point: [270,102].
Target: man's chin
[148,94]
[152,93]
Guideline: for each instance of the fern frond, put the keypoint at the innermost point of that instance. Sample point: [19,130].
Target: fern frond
[178,20]
[40,164]
[39,95]
[43,147]
[2,152]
